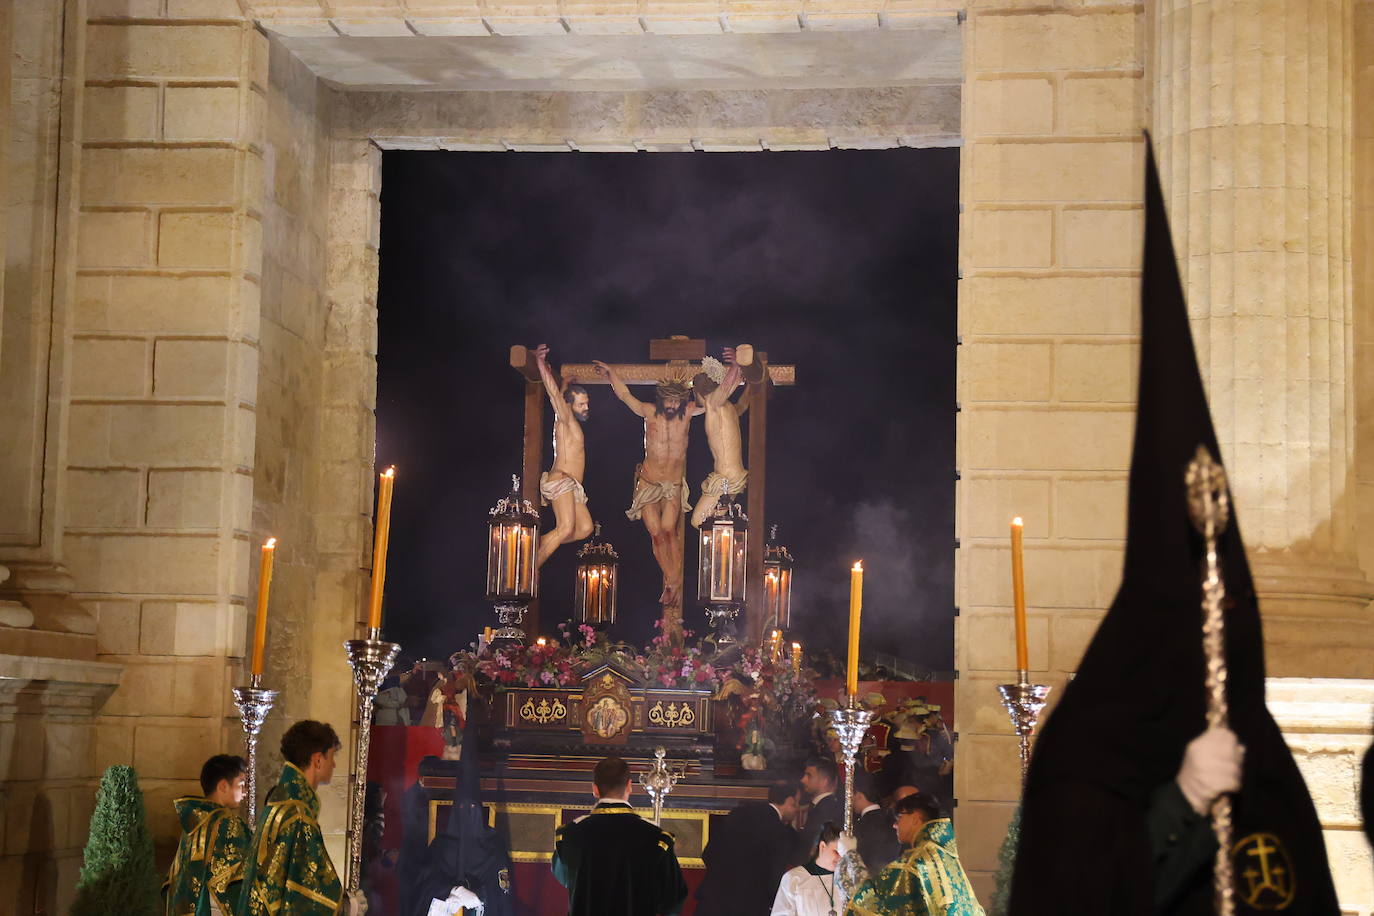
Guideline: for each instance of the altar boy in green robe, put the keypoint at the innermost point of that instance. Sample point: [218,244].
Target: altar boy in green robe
[208,868]
[288,868]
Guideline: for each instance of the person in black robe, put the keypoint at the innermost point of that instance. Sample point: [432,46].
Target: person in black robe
[748,853]
[612,861]
[875,832]
[466,853]
[1110,820]
[819,780]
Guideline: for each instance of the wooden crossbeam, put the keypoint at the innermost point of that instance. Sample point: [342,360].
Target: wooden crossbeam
[522,360]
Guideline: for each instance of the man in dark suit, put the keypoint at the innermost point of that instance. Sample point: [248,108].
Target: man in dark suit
[818,781]
[874,830]
[612,861]
[748,853]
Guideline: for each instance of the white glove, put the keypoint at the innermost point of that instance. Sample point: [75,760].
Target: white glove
[461,896]
[357,903]
[845,844]
[1211,767]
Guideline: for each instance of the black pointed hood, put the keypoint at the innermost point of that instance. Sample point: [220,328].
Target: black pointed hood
[1138,698]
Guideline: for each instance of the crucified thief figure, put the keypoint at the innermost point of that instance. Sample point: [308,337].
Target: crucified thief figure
[712,388]
[561,485]
[660,494]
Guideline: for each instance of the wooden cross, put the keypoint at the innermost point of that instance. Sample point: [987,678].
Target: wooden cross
[666,355]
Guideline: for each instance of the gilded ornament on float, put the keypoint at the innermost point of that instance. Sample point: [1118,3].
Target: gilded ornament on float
[543,712]
[672,716]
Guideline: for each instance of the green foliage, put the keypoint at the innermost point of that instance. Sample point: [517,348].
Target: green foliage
[117,875]
[1006,863]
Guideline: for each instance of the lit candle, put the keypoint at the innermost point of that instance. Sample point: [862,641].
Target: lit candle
[269,548]
[541,642]
[796,658]
[374,608]
[1018,594]
[856,601]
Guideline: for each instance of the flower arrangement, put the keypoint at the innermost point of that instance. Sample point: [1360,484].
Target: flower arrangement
[558,663]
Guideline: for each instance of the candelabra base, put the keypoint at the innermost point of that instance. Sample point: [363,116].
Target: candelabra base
[1024,701]
[371,660]
[254,703]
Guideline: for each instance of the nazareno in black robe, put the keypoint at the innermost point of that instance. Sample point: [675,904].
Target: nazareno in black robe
[1120,730]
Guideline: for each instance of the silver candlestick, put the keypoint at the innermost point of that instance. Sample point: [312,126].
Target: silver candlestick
[660,779]
[254,704]
[371,660]
[851,724]
[1024,701]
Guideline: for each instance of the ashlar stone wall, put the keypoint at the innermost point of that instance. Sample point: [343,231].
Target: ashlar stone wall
[1048,301]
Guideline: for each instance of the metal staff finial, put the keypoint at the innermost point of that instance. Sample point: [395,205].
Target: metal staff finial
[660,779]
[371,660]
[1209,506]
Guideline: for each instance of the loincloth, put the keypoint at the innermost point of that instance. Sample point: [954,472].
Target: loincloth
[648,492]
[549,490]
[719,485]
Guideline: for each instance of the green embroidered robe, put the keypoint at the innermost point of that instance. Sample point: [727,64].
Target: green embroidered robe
[209,860]
[288,868]
[927,881]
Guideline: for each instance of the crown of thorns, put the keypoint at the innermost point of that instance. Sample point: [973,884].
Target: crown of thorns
[675,384]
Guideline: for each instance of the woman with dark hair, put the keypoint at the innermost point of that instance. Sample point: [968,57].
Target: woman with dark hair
[811,889]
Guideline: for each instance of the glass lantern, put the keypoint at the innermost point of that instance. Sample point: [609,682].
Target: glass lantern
[777,583]
[598,566]
[721,566]
[512,578]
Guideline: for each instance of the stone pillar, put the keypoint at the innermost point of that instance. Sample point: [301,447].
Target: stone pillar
[1252,122]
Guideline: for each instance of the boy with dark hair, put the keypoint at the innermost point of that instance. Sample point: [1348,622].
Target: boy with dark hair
[818,781]
[289,870]
[208,868]
[613,862]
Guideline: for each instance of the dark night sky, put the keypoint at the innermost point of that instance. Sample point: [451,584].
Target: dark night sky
[841,262]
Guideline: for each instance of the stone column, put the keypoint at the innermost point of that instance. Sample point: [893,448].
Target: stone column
[1252,124]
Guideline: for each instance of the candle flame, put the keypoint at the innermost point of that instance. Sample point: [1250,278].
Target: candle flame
[270,544]
[1017,521]
[796,646]
[390,472]
[859,566]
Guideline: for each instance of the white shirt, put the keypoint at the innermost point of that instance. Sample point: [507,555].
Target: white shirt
[777,809]
[868,809]
[801,893]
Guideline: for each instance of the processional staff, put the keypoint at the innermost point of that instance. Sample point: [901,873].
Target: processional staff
[1209,506]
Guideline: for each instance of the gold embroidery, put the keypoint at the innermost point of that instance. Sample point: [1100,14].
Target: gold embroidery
[1268,881]
[312,895]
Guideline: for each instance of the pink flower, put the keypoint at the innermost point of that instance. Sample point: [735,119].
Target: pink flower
[588,634]
[547,677]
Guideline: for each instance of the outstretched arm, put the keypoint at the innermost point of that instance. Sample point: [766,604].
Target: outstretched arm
[555,391]
[621,390]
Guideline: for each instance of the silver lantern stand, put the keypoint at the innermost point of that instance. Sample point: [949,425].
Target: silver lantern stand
[660,779]
[254,703]
[371,660]
[1024,701]
[851,724]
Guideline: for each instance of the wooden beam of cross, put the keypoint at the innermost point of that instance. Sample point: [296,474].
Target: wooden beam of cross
[668,356]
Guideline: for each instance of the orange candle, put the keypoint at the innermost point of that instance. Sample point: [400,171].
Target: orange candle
[796,658]
[374,608]
[269,549]
[856,601]
[1018,594]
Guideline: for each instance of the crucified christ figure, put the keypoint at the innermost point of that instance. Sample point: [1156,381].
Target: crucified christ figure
[660,494]
[712,388]
[561,485]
